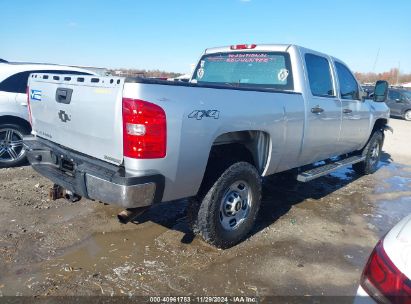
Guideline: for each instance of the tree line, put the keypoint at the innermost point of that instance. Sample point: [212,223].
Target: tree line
[393,76]
[143,73]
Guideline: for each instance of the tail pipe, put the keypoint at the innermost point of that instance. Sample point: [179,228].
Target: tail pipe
[124,216]
[130,214]
[58,191]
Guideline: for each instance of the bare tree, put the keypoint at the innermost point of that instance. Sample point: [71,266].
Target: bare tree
[392,76]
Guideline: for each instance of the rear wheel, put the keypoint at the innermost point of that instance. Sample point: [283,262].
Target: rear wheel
[407,115]
[12,151]
[372,153]
[226,213]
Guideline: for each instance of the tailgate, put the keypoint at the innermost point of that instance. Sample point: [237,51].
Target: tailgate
[82,113]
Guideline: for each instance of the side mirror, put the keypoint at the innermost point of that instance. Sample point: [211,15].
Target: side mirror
[380,91]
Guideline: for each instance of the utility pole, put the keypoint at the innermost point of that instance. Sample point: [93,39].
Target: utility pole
[376,59]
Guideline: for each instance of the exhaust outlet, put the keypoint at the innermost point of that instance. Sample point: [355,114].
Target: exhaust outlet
[71,196]
[130,214]
[58,191]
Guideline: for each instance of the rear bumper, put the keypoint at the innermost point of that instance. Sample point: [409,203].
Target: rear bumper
[92,178]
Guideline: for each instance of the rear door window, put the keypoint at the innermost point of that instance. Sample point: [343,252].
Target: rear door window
[394,95]
[16,83]
[246,69]
[348,85]
[406,96]
[319,75]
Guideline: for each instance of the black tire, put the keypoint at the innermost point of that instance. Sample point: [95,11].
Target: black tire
[16,156]
[372,153]
[407,115]
[206,212]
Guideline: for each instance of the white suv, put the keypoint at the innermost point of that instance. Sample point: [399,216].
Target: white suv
[14,120]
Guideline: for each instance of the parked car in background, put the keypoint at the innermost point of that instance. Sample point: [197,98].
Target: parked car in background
[387,274]
[14,117]
[399,102]
[369,89]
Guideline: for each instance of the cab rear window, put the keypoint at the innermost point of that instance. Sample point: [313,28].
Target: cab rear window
[246,69]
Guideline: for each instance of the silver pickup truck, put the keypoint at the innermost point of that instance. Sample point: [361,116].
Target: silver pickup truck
[249,111]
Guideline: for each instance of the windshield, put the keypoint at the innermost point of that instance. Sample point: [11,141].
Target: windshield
[246,69]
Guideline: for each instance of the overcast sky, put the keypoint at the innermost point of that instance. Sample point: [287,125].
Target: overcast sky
[170,35]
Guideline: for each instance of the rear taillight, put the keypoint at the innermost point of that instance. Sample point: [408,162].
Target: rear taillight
[28,105]
[243,46]
[383,280]
[144,129]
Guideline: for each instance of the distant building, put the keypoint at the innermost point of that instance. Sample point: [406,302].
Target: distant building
[128,73]
[182,78]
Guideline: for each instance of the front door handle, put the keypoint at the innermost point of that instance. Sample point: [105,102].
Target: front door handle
[317,110]
[347,111]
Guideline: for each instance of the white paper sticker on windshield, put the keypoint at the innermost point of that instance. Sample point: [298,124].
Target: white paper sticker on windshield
[200,73]
[282,75]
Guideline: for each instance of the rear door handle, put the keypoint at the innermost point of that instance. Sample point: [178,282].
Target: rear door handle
[317,110]
[347,111]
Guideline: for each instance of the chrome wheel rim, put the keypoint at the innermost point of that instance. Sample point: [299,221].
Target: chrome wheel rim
[11,145]
[408,115]
[375,154]
[235,205]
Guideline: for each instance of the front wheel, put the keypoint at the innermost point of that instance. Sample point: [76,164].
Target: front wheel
[372,153]
[227,212]
[12,151]
[407,115]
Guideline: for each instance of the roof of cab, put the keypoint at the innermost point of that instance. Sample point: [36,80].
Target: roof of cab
[7,69]
[258,47]
[266,48]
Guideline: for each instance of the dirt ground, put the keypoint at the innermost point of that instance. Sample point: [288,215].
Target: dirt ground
[310,239]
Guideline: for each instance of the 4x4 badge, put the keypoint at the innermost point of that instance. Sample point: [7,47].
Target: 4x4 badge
[199,114]
[64,116]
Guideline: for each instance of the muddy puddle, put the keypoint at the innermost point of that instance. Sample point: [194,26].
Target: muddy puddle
[310,239]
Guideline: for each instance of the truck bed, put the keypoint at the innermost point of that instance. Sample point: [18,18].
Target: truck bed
[197,116]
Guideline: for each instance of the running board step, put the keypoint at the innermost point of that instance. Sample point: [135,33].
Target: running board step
[328,168]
